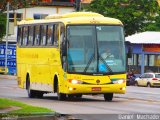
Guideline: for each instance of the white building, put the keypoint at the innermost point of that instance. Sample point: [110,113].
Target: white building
[37,12]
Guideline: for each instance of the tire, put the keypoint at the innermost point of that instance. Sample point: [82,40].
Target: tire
[71,97]
[31,93]
[60,96]
[79,96]
[108,96]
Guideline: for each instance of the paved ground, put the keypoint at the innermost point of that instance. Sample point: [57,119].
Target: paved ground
[8,77]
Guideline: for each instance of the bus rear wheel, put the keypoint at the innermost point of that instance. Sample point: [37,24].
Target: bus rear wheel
[108,96]
[31,93]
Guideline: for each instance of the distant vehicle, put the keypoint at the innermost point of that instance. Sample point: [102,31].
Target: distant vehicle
[2,70]
[148,80]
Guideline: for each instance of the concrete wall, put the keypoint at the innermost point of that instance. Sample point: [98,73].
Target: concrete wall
[29,12]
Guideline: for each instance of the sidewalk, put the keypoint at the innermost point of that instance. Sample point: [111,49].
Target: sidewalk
[9,77]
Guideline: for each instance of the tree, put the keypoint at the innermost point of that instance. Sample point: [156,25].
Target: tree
[134,14]
[16,4]
[2,25]
[154,26]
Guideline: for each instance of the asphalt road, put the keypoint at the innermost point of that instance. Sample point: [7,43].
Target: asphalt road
[137,100]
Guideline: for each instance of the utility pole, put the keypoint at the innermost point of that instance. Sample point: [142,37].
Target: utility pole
[7,27]
[77,5]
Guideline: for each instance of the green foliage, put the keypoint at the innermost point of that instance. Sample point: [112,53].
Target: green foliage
[134,14]
[15,4]
[24,108]
[154,26]
[2,25]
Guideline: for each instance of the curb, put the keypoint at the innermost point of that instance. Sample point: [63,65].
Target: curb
[9,77]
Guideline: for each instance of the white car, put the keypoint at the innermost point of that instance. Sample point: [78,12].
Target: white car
[148,79]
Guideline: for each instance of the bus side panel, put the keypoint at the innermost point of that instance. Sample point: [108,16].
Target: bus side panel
[19,74]
[42,68]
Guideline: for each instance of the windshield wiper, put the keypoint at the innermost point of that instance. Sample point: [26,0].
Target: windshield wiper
[92,58]
[89,62]
[110,70]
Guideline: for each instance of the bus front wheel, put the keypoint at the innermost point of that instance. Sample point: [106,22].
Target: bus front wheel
[108,96]
[60,96]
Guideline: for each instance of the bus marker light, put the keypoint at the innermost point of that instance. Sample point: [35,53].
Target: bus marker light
[70,88]
[123,88]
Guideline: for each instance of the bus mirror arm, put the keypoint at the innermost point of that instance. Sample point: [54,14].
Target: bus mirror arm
[129,54]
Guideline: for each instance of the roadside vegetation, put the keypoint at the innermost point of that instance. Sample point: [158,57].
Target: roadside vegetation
[136,15]
[21,108]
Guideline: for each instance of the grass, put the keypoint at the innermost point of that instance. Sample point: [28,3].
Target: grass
[23,108]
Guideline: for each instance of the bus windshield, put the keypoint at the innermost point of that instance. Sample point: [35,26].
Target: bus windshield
[95,49]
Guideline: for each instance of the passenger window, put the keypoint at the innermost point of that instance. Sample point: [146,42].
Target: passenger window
[31,35]
[50,35]
[43,35]
[142,76]
[146,76]
[19,39]
[157,75]
[62,33]
[150,76]
[56,34]
[25,36]
[37,35]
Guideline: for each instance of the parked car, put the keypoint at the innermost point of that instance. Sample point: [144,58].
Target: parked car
[148,79]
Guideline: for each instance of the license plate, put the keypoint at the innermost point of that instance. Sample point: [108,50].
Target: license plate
[96,88]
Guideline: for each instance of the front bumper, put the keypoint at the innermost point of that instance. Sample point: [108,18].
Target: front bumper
[96,89]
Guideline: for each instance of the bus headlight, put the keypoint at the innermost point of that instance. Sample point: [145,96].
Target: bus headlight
[120,81]
[73,81]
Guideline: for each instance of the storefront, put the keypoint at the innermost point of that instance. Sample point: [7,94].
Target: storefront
[145,52]
[11,57]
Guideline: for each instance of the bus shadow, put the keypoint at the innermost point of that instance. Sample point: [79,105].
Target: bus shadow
[83,99]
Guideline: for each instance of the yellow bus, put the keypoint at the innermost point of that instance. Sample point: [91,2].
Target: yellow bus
[63,54]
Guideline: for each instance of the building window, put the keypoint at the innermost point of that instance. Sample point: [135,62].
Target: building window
[154,60]
[13,17]
[135,60]
[39,16]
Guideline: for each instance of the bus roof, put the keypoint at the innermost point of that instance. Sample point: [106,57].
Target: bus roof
[75,18]
[75,14]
